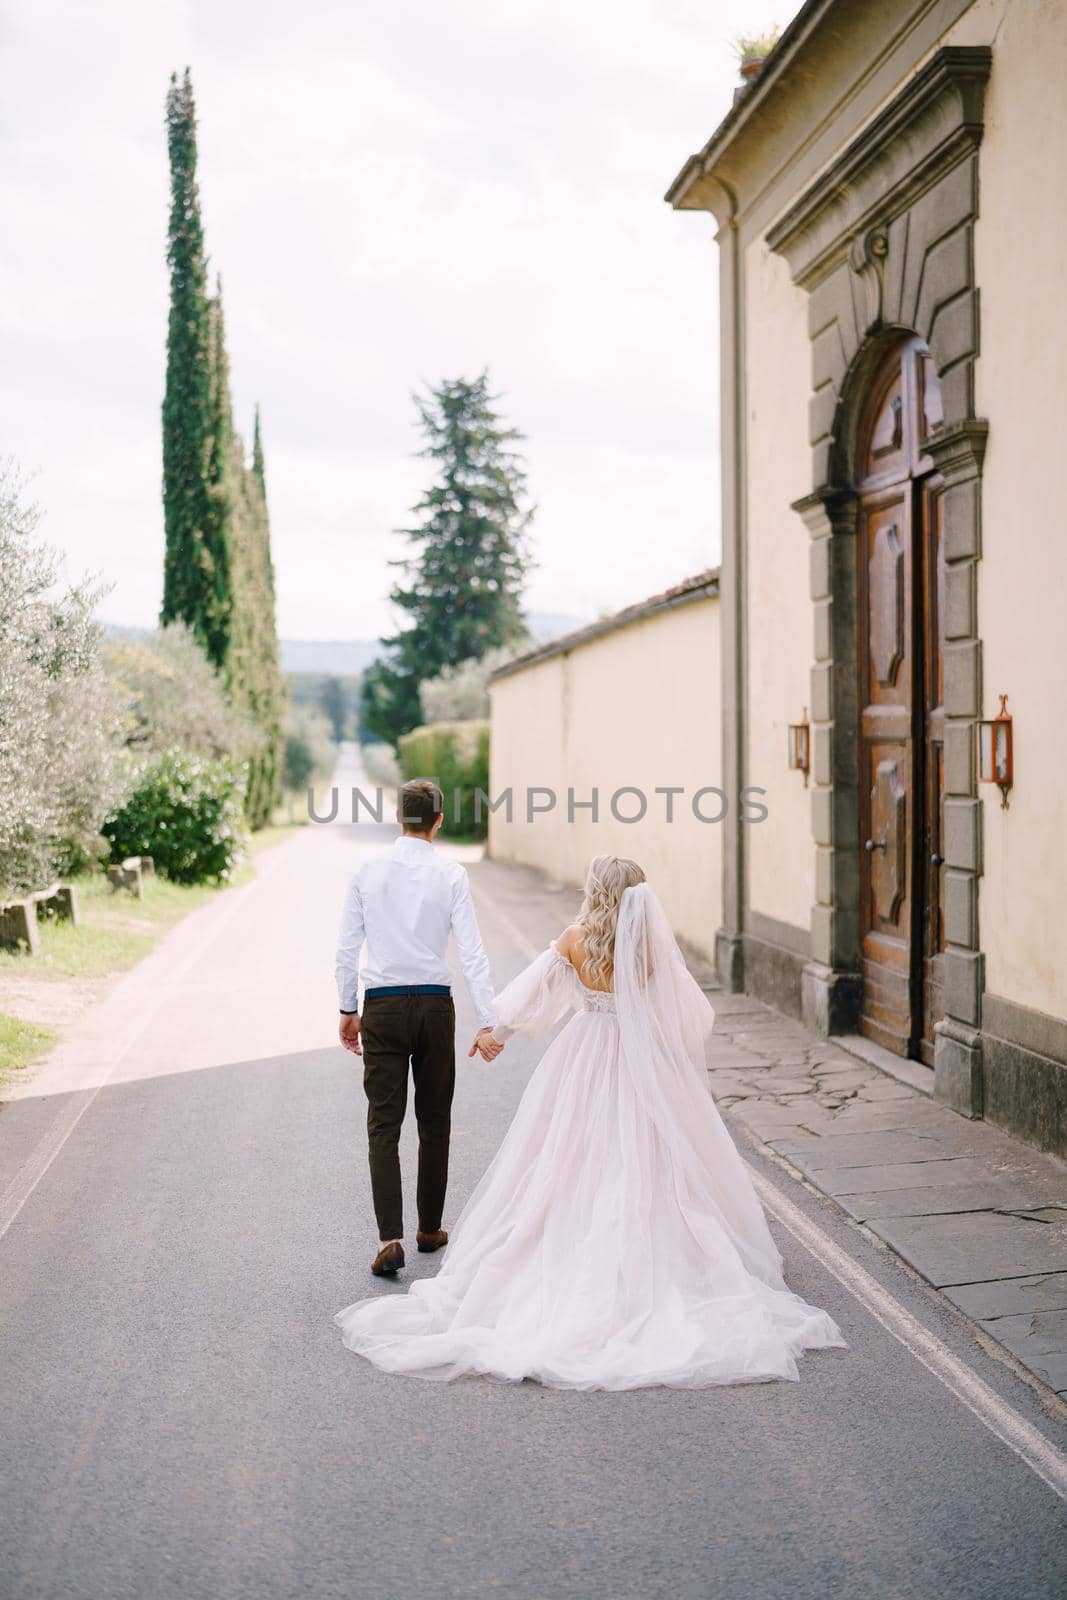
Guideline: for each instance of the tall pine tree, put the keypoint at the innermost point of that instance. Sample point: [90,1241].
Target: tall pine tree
[462,589]
[196,570]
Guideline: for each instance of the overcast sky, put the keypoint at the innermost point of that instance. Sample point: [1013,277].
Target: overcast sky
[395,191]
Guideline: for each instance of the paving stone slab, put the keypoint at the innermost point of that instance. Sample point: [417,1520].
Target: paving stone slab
[877,1088]
[1038,1339]
[843,1077]
[958,1137]
[742,1066]
[860,1116]
[1043,1291]
[728,1051]
[727,1083]
[903,1175]
[862,1150]
[768,1114]
[796,1131]
[969,1249]
[786,1086]
[767,1042]
[929,1201]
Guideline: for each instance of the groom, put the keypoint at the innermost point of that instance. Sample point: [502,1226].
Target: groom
[405,903]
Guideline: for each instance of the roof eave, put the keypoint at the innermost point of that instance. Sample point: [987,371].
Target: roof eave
[701,586]
[687,192]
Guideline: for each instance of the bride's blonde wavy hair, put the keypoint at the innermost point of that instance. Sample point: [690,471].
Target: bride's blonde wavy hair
[608,877]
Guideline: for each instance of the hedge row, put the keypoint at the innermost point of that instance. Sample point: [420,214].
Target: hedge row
[455,755]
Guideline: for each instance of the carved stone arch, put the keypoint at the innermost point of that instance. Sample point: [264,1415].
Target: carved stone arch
[866,361]
[883,243]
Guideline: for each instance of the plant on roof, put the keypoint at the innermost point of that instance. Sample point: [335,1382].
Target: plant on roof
[755,46]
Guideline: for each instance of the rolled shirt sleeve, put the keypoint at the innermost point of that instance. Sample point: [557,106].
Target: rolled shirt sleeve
[349,944]
[473,961]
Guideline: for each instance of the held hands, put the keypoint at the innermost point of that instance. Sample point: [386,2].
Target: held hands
[485,1045]
[350,1032]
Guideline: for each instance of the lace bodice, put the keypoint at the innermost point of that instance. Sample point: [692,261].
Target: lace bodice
[597,999]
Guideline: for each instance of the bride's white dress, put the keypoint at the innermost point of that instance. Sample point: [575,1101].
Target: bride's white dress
[616,1239]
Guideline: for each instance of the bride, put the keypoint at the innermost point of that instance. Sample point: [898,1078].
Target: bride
[615,1240]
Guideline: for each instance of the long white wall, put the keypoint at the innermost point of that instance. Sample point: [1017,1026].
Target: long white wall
[636,707]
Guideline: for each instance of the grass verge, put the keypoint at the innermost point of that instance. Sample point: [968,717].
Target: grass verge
[20,1044]
[116,930]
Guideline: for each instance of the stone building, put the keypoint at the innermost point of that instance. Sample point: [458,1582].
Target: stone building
[888,195]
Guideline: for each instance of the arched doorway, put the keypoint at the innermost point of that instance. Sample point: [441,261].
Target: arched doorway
[901,721]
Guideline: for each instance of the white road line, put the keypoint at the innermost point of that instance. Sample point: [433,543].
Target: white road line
[34,1168]
[1020,1436]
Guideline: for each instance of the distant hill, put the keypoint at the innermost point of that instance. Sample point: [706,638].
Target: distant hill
[331,658]
[347,658]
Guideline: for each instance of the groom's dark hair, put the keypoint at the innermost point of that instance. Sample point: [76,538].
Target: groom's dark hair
[421,803]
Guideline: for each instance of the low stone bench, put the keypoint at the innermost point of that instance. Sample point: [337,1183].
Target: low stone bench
[19,918]
[18,926]
[131,873]
[60,902]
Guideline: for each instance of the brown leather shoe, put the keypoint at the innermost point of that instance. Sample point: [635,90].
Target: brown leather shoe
[429,1242]
[388,1261]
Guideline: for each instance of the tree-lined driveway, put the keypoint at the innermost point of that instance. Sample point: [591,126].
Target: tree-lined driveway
[186,1205]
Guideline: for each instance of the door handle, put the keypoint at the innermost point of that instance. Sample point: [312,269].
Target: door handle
[870,845]
[936,860]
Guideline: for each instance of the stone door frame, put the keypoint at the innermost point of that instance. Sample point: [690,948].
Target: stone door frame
[883,241]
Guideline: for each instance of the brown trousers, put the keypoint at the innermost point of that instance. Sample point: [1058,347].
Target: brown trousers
[398,1029]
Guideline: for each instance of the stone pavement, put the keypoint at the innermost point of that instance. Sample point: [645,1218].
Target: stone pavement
[980,1216]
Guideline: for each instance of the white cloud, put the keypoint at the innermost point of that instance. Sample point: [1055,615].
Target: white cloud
[394,192]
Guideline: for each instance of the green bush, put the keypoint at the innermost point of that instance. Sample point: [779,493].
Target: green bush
[456,754]
[184,811]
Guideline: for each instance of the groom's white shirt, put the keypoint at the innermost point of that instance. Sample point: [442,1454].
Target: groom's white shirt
[405,903]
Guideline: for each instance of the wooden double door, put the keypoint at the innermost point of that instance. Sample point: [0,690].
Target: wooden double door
[901,706]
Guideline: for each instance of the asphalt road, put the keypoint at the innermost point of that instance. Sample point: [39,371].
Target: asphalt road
[182,1422]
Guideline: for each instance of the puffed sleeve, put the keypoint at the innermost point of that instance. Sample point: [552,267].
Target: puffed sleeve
[534,1001]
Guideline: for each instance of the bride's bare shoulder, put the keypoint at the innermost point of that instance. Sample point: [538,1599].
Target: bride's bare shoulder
[569,944]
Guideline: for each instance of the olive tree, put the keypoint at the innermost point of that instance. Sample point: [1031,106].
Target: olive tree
[59,713]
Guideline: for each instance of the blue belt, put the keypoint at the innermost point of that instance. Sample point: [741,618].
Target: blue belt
[408,988]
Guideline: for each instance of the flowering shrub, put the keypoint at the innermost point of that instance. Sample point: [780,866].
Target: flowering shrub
[184,811]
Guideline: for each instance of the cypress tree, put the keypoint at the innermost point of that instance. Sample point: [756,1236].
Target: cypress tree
[250,666]
[258,468]
[196,561]
[218,574]
[462,589]
[267,695]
